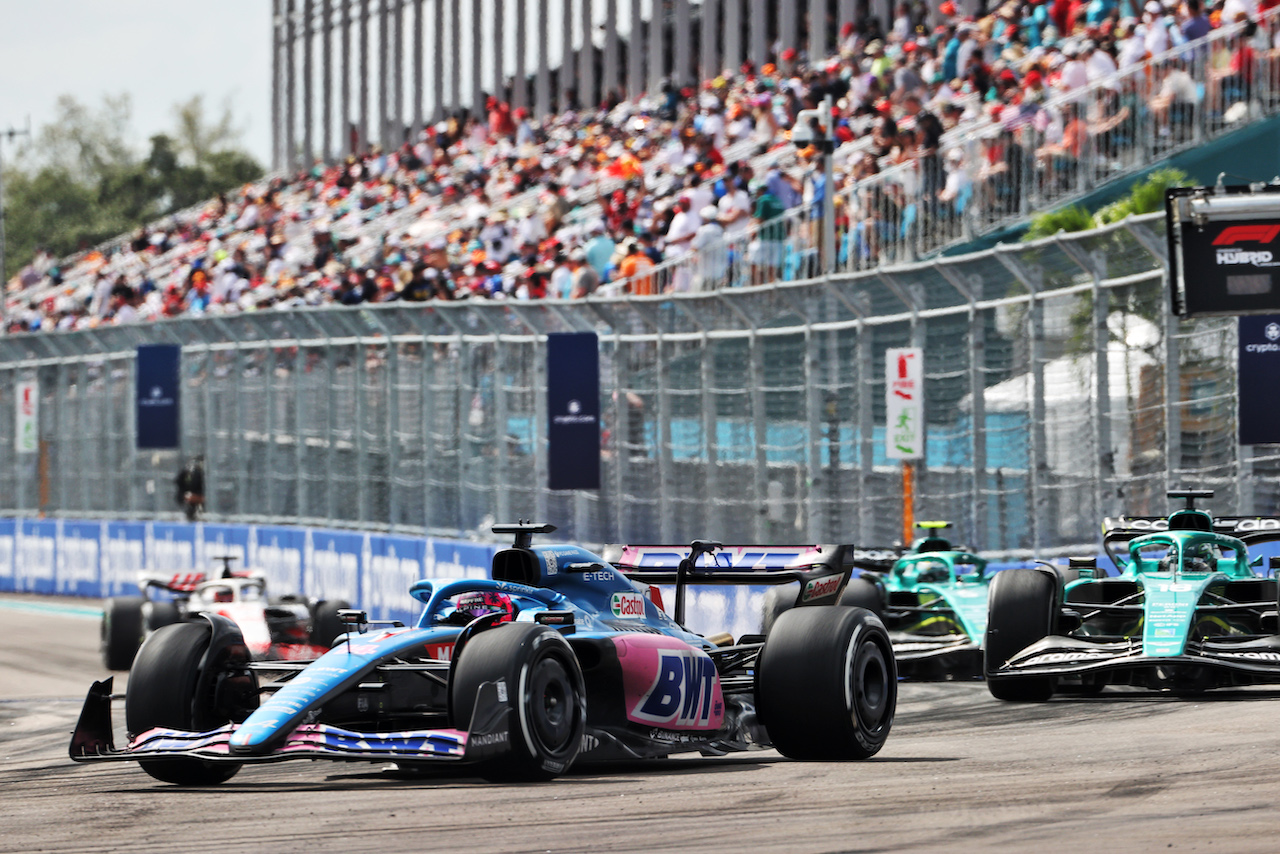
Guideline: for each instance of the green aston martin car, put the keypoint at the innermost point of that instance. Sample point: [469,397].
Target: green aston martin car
[1189,611]
[932,599]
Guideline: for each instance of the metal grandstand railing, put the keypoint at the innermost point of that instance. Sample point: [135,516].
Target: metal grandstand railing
[1058,390]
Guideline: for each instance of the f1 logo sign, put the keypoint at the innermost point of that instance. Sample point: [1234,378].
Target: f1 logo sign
[1246,234]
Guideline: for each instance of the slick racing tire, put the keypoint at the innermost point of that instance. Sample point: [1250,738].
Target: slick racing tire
[325,625]
[827,684]
[1020,611]
[159,614]
[122,631]
[861,593]
[776,601]
[164,691]
[547,698]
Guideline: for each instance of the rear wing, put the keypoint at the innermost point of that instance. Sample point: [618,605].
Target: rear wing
[877,559]
[184,583]
[1249,529]
[174,582]
[822,570]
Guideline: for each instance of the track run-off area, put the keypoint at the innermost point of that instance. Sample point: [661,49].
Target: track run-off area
[1127,771]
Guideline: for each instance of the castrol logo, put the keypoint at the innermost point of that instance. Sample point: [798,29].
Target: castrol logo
[628,606]
[821,587]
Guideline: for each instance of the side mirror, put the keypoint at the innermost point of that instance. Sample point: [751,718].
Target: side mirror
[352,617]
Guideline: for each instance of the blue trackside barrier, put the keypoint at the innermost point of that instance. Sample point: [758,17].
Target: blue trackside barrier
[100,558]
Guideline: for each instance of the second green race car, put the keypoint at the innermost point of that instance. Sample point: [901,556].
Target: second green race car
[932,599]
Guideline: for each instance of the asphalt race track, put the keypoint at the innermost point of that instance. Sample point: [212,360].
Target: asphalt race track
[1125,772]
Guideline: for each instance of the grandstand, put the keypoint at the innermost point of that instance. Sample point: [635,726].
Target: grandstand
[490,202]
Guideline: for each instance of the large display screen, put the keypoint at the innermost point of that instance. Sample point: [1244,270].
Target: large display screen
[1224,251]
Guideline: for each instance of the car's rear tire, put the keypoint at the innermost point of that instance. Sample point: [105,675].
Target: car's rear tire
[861,593]
[122,631]
[165,691]
[827,684]
[1021,609]
[326,627]
[548,697]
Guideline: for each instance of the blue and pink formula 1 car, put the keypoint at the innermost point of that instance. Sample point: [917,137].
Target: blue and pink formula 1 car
[558,658]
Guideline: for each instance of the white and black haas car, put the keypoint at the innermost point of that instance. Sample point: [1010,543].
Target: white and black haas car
[288,626]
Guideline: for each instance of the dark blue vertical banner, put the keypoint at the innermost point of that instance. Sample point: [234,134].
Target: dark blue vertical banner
[157,395]
[573,410]
[1259,361]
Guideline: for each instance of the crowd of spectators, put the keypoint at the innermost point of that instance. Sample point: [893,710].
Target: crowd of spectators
[499,205]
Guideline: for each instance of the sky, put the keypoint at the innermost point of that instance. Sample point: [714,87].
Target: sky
[160,52]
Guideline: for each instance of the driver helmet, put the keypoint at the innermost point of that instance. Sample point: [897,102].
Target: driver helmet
[222,595]
[1201,557]
[470,606]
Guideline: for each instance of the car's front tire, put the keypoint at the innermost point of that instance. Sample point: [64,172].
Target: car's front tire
[165,690]
[1020,611]
[546,691]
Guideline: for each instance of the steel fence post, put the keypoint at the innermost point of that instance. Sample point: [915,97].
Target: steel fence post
[131,433]
[818,511]
[502,459]
[621,449]
[1032,278]
[300,488]
[666,479]
[710,433]
[540,417]
[970,287]
[1094,263]
[866,433]
[359,387]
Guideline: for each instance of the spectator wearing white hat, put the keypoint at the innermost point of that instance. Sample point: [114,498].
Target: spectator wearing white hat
[1075,74]
[712,251]
[1156,40]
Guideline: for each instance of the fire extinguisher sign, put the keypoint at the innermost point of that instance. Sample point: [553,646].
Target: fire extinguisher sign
[26,438]
[904,403]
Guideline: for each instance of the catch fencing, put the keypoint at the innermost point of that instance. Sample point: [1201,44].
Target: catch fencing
[1058,390]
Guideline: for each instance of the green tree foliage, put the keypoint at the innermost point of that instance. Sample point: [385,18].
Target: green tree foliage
[80,181]
[1049,223]
[1146,196]
[1141,300]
